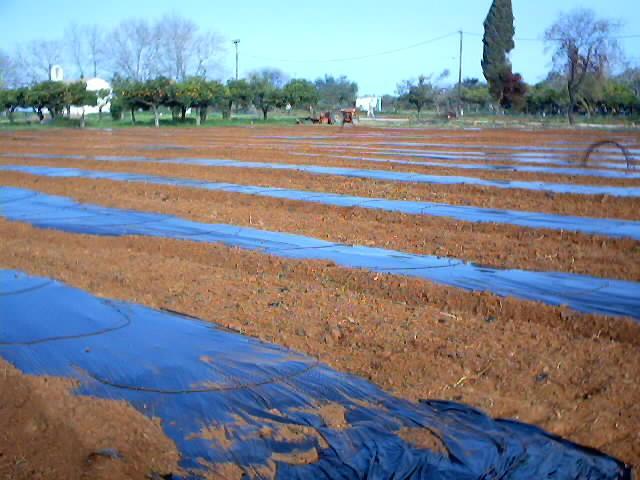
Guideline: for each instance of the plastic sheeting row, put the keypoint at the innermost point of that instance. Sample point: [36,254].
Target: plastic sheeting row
[587,225]
[266,401]
[585,172]
[518,156]
[487,159]
[392,176]
[560,147]
[580,292]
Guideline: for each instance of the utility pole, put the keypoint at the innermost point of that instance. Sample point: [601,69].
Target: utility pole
[236,42]
[461,113]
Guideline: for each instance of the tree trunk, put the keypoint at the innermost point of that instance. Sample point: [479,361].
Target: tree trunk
[587,107]
[202,114]
[82,119]
[156,116]
[183,113]
[418,113]
[198,116]
[572,105]
[100,114]
[226,113]
[133,115]
[10,115]
[265,111]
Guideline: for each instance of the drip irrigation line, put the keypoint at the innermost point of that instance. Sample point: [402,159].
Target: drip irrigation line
[402,269]
[103,331]
[186,391]
[12,200]
[26,290]
[595,146]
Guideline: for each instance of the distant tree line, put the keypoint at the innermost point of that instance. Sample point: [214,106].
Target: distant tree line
[598,95]
[56,98]
[265,90]
[172,64]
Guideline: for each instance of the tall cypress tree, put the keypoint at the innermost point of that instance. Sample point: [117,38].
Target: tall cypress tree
[498,42]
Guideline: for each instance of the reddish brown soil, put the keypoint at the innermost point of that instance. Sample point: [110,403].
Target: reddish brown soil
[423,438]
[494,245]
[572,374]
[525,200]
[47,432]
[283,154]
[575,375]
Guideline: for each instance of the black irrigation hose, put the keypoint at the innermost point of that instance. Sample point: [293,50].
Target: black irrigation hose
[126,323]
[228,388]
[26,290]
[26,197]
[627,155]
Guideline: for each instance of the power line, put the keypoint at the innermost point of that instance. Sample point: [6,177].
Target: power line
[408,47]
[520,39]
[525,39]
[361,57]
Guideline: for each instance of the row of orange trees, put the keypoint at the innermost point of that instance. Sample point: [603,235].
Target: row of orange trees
[201,94]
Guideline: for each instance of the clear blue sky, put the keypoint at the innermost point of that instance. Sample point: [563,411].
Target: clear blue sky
[296,35]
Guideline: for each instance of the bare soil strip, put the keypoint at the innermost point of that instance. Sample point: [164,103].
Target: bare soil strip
[270,154]
[601,206]
[501,246]
[572,374]
[481,138]
[48,432]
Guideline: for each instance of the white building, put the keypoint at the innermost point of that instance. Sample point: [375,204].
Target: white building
[95,85]
[369,104]
[56,73]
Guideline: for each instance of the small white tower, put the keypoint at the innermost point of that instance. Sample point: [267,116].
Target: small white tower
[56,73]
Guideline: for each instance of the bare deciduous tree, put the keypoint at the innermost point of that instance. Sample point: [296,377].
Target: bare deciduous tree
[183,50]
[133,50]
[95,46]
[176,40]
[6,67]
[75,47]
[35,59]
[207,46]
[582,44]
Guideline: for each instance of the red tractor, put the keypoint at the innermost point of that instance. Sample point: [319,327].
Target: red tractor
[346,115]
[350,115]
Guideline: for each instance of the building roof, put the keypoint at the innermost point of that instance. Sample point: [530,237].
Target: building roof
[94,84]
